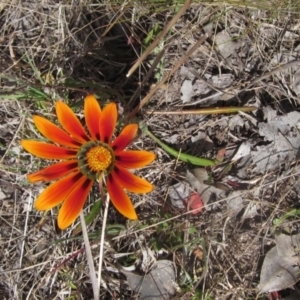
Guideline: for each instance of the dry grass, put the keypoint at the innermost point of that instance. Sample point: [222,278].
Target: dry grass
[53,50]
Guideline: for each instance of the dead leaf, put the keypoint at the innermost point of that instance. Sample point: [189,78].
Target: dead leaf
[243,151]
[235,202]
[270,157]
[177,193]
[187,91]
[159,284]
[236,121]
[280,269]
[224,44]
[198,252]
[282,135]
[222,81]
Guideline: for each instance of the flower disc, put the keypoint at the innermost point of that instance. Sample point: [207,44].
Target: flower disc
[95,158]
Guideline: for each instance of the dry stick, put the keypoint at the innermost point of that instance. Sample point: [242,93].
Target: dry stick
[166,77]
[160,36]
[288,65]
[153,66]
[15,288]
[89,256]
[25,230]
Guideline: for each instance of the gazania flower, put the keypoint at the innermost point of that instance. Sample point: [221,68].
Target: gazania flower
[86,157]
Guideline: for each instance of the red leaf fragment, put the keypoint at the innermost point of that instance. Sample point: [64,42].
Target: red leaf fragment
[194,203]
[234,184]
[274,296]
[221,154]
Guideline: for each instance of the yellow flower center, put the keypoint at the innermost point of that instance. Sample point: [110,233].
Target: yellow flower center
[95,158]
[99,158]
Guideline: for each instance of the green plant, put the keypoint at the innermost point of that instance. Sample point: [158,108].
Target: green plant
[294,213]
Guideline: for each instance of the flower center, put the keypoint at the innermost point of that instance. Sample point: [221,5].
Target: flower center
[95,158]
[98,158]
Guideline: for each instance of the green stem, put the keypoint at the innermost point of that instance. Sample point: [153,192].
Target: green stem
[197,161]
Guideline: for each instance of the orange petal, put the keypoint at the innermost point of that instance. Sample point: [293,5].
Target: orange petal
[48,151]
[70,122]
[54,133]
[74,202]
[134,159]
[108,122]
[119,199]
[57,191]
[92,113]
[130,181]
[125,137]
[53,172]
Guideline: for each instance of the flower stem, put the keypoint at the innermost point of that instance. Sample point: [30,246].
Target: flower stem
[89,256]
[106,204]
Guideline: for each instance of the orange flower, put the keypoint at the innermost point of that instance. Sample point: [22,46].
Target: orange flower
[86,158]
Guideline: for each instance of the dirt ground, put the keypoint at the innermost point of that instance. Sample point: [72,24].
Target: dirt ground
[248,56]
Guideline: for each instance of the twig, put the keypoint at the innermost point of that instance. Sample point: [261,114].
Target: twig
[153,66]
[288,65]
[184,7]
[25,228]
